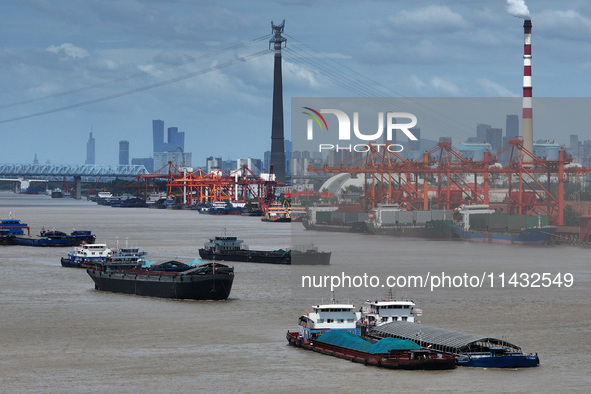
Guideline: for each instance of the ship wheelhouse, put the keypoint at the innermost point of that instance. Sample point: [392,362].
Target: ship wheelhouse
[329,317]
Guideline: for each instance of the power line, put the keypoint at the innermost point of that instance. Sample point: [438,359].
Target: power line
[137,75]
[242,59]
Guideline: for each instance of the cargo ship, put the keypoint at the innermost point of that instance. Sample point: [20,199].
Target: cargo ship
[207,281]
[332,329]
[344,218]
[86,255]
[391,220]
[230,248]
[479,223]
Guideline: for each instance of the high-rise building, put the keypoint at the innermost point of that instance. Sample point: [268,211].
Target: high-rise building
[494,137]
[158,135]
[175,139]
[512,127]
[123,153]
[481,129]
[90,146]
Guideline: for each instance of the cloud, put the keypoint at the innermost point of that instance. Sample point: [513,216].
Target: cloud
[565,24]
[431,18]
[494,89]
[69,50]
[434,86]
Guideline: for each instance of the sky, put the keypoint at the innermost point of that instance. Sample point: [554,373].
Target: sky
[112,66]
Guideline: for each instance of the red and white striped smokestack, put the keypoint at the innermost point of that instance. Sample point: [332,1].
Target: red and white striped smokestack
[527,127]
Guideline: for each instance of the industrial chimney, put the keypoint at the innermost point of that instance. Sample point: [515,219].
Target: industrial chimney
[527,127]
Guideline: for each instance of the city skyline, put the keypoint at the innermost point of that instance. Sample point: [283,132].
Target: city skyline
[113,67]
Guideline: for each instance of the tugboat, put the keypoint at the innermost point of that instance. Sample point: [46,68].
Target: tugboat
[207,281]
[87,255]
[231,248]
[332,329]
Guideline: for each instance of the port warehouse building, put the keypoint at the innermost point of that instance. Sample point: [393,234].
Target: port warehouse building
[440,339]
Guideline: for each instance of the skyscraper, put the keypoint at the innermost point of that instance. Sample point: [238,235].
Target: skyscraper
[123,153]
[512,127]
[158,135]
[494,136]
[90,146]
[481,129]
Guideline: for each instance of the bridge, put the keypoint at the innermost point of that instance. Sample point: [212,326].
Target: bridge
[18,171]
[61,170]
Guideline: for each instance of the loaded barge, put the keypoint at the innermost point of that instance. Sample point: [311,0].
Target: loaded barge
[230,248]
[332,329]
[479,223]
[207,281]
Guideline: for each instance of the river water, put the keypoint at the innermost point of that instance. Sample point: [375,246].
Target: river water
[59,334]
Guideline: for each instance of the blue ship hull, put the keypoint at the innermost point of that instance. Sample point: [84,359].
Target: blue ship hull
[506,361]
[529,236]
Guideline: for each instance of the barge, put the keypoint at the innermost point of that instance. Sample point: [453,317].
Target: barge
[479,223]
[207,281]
[230,248]
[332,329]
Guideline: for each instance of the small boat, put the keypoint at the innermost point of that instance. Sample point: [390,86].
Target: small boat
[206,281]
[332,329]
[230,248]
[498,357]
[57,193]
[276,212]
[86,255]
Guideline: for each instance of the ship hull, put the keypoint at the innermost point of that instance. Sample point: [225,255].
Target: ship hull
[401,360]
[530,236]
[434,229]
[164,285]
[506,361]
[355,227]
[268,257]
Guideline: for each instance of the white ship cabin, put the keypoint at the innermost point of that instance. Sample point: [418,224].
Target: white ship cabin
[376,313]
[330,317]
[92,251]
[477,209]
